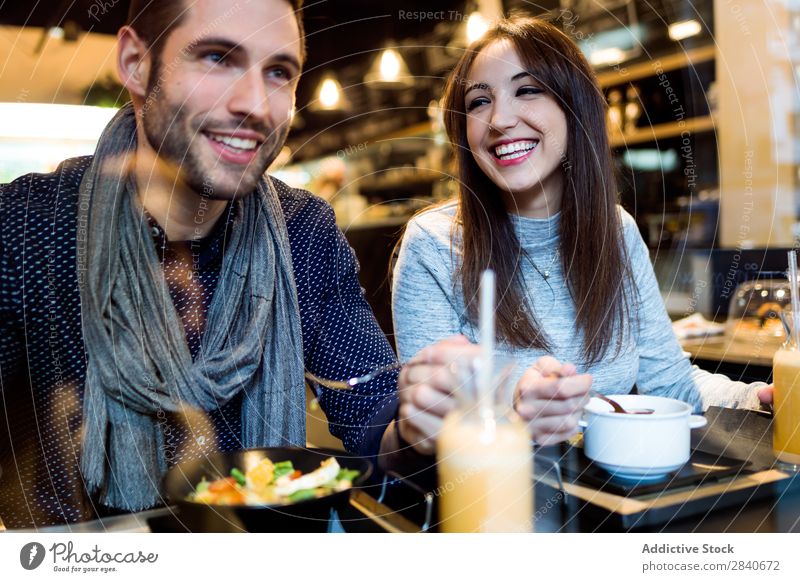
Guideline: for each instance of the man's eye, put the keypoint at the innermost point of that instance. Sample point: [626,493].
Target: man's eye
[477,103]
[216,57]
[281,73]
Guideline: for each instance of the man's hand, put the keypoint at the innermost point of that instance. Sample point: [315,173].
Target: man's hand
[551,396]
[426,387]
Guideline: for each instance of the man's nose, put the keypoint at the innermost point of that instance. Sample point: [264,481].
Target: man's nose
[248,96]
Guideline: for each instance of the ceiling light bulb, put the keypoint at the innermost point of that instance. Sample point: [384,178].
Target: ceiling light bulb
[476,27]
[329,94]
[389,70]
[390,65]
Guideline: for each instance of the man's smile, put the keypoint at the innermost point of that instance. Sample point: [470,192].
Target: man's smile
[239,147]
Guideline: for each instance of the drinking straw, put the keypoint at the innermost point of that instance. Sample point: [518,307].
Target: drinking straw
[795,299]
[487,335]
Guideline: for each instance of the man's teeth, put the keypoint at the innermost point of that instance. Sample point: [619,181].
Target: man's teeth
[235,142]
[517,149]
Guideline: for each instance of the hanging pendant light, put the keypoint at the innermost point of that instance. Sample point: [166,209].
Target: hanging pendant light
[482,15]
[329,95]
[389,70]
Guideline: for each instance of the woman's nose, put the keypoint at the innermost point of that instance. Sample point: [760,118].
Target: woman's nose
[504,116]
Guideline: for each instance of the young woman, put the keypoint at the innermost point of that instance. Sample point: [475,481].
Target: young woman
[538,204]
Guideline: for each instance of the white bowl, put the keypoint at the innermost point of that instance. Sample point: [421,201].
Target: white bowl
[639,446]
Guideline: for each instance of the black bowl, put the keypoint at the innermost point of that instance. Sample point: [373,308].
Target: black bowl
[311,515]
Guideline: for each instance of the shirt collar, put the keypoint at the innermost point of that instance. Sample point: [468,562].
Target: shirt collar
[207,249]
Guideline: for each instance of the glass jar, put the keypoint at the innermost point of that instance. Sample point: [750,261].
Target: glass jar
[754,311]
[484,460]
[786,406]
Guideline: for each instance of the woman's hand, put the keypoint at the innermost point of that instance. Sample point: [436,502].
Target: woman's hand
[551,396]
[766,394]
[425,387]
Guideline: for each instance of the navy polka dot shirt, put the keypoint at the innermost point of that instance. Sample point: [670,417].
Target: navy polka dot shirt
[42,360]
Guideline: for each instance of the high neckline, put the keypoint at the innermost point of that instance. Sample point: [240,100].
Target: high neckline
[537,232]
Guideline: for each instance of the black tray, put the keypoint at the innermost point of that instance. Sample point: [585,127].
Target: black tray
[702,468]
[735,444]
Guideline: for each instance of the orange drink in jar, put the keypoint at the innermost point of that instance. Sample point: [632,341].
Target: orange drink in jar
[786,405]
[485,462]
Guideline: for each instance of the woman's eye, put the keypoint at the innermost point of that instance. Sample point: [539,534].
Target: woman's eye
[529,91]
[477,103]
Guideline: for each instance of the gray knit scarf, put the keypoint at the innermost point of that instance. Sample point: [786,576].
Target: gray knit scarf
[139,367]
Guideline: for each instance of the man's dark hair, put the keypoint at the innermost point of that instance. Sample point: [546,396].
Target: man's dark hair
[154,20]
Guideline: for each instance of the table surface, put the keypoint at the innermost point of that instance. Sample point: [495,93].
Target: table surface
[739,434]
[780,512]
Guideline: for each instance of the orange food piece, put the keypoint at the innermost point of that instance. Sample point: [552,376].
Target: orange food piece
[226,491]
[260,476]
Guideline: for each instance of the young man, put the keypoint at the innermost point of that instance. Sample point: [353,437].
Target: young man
[161,299]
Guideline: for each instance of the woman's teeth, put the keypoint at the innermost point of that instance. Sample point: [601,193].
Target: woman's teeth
[517,149]
[235,142]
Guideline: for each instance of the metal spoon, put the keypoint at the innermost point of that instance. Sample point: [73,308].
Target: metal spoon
[617,408]
[352,382]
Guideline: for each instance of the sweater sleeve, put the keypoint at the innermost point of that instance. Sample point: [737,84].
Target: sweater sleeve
[424,307]
[664,368]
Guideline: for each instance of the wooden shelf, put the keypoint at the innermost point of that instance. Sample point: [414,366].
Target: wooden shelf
[663,131]
[666,63]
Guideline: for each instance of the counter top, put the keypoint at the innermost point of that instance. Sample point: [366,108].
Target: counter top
[722,348]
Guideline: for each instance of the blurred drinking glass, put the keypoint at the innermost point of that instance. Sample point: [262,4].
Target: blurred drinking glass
[786,406]
[484,458]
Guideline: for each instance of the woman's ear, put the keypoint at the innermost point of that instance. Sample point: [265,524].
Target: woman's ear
[133,62]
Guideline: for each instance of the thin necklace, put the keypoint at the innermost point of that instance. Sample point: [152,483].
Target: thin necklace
[547,271]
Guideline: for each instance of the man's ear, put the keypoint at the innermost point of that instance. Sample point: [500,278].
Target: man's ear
[133,61]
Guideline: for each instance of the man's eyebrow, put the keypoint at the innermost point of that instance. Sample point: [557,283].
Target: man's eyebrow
[288,59]
[227,44]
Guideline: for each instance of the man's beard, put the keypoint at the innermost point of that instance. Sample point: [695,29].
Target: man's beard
[167,130]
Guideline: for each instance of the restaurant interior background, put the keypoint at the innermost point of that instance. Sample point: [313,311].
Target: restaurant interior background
[703,118]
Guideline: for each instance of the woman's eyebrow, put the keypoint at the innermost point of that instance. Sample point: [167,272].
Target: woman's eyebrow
[522,75]
[477,87]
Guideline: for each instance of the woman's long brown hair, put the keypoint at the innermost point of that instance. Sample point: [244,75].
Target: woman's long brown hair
[592,250]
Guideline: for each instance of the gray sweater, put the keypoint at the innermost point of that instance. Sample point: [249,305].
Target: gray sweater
[428,306]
